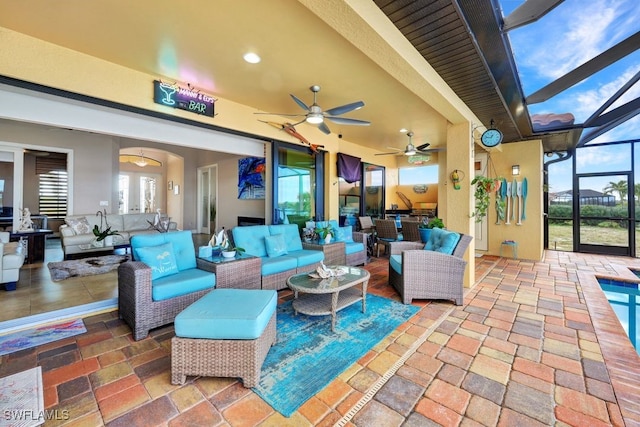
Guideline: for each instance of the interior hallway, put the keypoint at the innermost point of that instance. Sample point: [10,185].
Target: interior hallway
[534,344]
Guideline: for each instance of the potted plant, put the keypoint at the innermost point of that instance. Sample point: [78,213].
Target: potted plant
[104,232]
[212,215]
[325,232]
[484,187]
[427,225]
[230,251]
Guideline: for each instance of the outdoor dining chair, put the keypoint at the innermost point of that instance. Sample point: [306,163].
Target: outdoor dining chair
[386,232]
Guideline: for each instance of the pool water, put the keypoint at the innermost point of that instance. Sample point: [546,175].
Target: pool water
[624,298]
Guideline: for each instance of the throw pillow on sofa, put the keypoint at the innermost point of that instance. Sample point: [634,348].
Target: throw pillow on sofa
[345,234]
[160,258]
[443,241]
[275,245]
[79,225]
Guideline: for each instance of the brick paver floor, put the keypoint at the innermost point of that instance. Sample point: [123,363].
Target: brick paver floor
[534,344]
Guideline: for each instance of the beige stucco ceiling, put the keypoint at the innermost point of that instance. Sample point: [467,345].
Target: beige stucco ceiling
[351,50]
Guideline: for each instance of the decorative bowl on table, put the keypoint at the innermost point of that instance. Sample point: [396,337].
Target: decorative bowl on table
[228,254]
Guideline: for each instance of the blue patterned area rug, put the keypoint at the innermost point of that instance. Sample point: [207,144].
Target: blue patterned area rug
[308,356]
[42,335]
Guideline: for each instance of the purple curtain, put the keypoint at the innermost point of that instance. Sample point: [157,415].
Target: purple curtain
[349,168]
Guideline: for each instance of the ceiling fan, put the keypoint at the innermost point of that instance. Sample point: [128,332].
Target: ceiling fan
[412,150]
[315,115]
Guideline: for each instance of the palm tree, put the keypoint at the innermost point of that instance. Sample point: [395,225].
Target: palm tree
[619,187]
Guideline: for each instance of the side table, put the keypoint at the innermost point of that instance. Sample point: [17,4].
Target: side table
[334,252]
[241,272]
[35,243]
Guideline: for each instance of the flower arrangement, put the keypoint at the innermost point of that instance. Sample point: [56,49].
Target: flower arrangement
[101,232]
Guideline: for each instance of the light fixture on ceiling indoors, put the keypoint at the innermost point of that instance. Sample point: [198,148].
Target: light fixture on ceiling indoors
[139,160]
[142,162]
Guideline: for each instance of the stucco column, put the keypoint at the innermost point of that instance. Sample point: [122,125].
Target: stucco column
[458,204]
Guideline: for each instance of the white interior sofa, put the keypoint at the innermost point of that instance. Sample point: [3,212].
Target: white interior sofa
[76,234]
[11,259]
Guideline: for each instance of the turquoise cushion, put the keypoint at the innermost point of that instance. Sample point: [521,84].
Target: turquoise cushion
[395,262]
[291,235]
[251,239]
[306,257]
[183,283]
[353,247]
[160,258]
[278,264]
[183,248]
[443,241]
[275,245]
[223,314]
[345,234]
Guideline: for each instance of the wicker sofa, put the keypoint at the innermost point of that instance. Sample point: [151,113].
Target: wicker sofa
[355,242]
[419,273]
[76,235]
[277,265]
[150,294]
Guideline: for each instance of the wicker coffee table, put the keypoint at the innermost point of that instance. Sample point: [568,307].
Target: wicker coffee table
[320,297]
[240,272]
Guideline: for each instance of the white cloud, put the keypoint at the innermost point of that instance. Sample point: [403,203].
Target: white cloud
[571,34]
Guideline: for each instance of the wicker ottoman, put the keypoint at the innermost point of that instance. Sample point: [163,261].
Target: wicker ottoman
[226,333]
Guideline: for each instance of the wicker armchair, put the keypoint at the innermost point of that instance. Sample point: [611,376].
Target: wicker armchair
[410,231]
[429,274]
[135,300]
[386,232]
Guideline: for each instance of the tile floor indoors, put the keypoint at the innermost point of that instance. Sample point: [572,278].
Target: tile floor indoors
[535,343]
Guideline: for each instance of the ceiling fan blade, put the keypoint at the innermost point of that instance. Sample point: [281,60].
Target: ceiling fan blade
[345,121]
[385,154]
[432,150]
[324,128]
[299,102]
[336,111]
[422,147]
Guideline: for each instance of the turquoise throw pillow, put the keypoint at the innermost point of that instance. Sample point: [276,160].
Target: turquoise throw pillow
[275,245]
[160,258]
[442,241]
[344,234]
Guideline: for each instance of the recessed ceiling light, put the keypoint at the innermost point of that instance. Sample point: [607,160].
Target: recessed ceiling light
[251,58]
[403,130]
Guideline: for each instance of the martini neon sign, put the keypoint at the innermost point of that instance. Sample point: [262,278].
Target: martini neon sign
[183,98]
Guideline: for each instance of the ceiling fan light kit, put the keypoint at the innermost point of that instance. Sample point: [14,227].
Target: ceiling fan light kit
[315,115]
[423,151]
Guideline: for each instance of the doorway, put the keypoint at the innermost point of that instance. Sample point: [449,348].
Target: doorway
[138,193]
[207,199]
[482,227]
[606,223]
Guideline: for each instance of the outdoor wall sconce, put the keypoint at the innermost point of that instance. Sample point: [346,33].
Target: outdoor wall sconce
[515,170]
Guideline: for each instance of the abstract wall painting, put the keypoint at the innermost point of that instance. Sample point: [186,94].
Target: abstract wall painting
[251,178]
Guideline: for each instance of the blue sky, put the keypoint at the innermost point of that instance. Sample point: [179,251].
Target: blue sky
[568,36]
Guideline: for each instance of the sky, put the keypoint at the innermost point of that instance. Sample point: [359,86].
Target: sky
[565,38]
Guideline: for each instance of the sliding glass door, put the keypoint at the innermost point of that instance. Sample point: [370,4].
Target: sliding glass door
[297,184]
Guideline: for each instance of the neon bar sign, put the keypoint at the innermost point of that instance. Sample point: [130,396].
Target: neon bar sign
[183,98]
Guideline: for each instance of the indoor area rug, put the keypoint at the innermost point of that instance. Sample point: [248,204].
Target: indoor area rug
[85,266]
[308,356]
[22,399]
[41,335]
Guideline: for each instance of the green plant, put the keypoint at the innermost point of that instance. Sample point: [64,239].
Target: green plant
[435,223]
[212,211]
[101,232]
[482,194]
[323,231]
[231,248]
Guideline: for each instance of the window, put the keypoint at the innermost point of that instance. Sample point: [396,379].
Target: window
[53,188]
[418,175]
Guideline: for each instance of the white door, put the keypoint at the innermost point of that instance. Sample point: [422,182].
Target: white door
[480,165]
[207,200]
[138,193]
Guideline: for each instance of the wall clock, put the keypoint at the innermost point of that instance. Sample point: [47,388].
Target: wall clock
[491,137]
